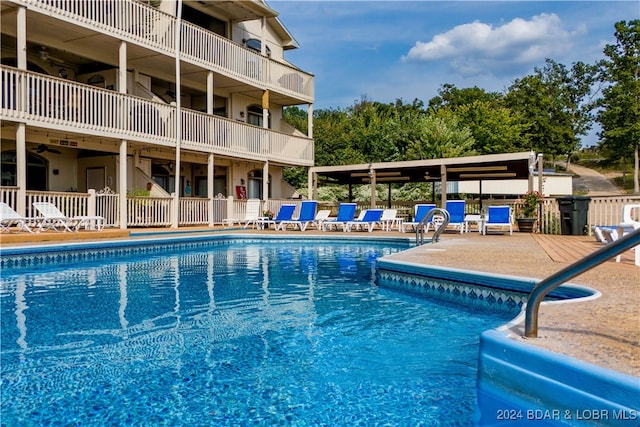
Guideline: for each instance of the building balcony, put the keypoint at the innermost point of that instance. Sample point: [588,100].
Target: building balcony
[151,35]
[61,105]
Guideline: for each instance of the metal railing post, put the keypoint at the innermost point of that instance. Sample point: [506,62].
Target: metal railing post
[587,263]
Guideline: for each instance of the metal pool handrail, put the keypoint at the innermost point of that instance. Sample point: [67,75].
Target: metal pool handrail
[438,230]
[587,263]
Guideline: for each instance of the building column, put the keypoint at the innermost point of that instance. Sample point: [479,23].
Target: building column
[21,169]
[210,95]
[443,181]
[540,171]
[310,121]
[21,130]
[211,176]
[122,183]
[175,214]
[373,182]
[122,158]
[265,181]
[265,109]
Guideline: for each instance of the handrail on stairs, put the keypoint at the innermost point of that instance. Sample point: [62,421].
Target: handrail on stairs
[438,230]
[592,260]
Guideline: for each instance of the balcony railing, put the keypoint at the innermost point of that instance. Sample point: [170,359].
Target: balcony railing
[136,22]
[54,103]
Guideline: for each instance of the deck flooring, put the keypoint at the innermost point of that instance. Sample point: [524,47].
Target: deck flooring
[568,249]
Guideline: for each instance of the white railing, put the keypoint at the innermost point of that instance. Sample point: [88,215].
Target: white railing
[156,212]
[55,103]
[134,21]
[608,210]
[70,204]
[9,195]
[193,211]
[108,207]
[149,211]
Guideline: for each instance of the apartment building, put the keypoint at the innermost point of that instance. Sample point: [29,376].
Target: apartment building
[105,101]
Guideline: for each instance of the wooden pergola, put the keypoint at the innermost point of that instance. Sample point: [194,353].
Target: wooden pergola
[472,168]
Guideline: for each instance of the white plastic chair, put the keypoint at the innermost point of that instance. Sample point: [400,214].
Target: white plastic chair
[390,219]
[628,222]
[9,217]
[53,218]
[251,216]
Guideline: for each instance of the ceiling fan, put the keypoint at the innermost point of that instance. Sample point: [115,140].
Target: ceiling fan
[44,148]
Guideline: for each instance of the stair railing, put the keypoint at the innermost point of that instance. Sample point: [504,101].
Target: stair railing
[592,260]
[439,228]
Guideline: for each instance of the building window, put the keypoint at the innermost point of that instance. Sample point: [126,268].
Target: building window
[254,190]
[254,116]
[256,45]
[37,171]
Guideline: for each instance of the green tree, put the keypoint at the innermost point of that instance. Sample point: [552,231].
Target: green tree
[296,117]
[440,135]
[450,96]
[495,128]
[620,113]
[555,103]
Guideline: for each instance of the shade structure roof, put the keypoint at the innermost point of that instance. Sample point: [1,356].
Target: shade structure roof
[472,168]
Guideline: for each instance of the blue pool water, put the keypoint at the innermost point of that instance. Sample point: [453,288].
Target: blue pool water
[279,333]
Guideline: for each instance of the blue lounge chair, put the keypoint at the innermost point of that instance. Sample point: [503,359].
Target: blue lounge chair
[346,212]
[370,219]
[307,216]
[420,211]
[498,216]
[284,214]
[456,213]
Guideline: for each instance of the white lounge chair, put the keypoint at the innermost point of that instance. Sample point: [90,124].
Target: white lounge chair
[321,216]
[251,216]
[498,216]
[53,218]
[610,235]
[628,222]
[390,219]
[9,218]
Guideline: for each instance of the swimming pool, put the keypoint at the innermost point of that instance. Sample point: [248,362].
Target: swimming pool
[232,332]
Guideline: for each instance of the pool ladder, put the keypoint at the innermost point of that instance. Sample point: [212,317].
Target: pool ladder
[592,260]
[439,228]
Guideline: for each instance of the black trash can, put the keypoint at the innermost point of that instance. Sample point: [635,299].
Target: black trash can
[573,215]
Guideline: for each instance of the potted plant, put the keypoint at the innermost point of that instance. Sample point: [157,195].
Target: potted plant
[527,210]
[267,214]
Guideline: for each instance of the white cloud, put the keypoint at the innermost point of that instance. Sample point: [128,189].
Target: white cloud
[478,47]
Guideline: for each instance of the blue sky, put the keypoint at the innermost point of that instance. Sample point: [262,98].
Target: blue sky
[388,50]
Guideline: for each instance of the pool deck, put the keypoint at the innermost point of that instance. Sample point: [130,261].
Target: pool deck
[603,331]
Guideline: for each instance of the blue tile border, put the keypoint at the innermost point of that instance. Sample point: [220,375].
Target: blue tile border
[31,256]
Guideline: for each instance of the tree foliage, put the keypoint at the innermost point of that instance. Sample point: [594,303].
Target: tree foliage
[620,107]
[546,111]
[555,103]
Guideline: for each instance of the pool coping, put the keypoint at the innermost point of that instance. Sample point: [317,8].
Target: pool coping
[512,373]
